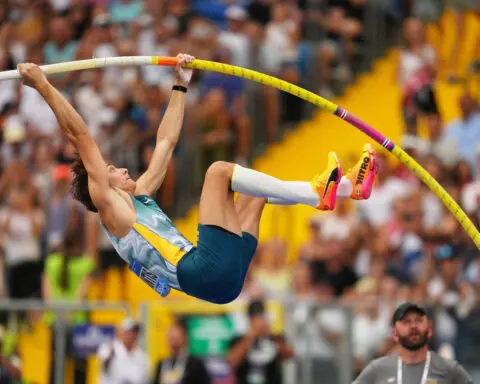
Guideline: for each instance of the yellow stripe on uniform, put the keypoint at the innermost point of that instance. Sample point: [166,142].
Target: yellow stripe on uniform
[169,252]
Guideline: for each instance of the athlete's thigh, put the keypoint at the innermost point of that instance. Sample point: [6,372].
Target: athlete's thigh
[216,201]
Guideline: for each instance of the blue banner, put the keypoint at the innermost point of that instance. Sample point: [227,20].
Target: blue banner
[87,338]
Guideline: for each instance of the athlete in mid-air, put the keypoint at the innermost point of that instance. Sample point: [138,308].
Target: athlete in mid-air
[146,238]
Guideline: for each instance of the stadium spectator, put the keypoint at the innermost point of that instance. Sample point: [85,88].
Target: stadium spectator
[10,361]
[326,336]
[312,249]
[21,223]
[66,278]
[60,48]
[337,269]
[303,288]
[125,11]
[446,288]
[300,303]
[123,360]
[272,273]
[229,98]
[32,109]
[412,332]
[416,73]
[341,224]
[235,38]
[388,188]
[371,281]
[9,90]
[106,257]
[214,129]
[342,23]
[368,321]
[439,144]
[460,10]
[466,130]
[257,355]
[43,164]
[279,45]
[67,274]
[62,211]
[181,367]
[157,37]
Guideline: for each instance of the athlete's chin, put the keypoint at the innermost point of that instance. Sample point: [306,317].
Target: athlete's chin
[128,186]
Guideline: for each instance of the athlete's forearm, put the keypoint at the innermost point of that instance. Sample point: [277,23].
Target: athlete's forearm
[171,125]
[69,120]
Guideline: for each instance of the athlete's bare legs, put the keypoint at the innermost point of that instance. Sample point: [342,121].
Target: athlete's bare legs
[222,179]
[217,205]
[216,201]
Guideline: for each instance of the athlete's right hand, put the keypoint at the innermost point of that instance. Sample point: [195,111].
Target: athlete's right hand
[32,75]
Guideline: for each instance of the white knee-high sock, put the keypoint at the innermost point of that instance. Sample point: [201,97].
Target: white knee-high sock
[257,184]
[275,201]
[344,190]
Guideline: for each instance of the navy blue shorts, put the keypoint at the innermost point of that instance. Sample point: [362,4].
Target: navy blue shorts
[215,270]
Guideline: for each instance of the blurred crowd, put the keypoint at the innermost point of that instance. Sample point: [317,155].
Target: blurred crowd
[401,244]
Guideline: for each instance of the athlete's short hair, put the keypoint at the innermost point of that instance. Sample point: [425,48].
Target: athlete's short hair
[80,190]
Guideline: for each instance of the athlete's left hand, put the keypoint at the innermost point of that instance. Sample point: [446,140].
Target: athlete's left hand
[183,75]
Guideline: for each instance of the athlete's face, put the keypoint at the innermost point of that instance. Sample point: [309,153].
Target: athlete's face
[119,178]
[412,332]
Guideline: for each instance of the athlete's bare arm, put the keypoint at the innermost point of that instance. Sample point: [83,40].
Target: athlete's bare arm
[168,133]
[75,129]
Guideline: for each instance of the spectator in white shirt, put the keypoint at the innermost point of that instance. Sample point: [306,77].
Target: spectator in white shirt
[465,131]
[281,35]
[367,322]
[235,38]
[21,223]
[122,361]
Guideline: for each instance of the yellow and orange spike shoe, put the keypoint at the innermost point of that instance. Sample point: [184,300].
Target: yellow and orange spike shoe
[326,183]
[362,175]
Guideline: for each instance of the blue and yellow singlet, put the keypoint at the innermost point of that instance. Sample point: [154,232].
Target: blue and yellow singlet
[154,246]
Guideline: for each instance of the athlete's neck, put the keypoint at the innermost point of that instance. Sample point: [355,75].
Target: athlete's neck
[413,357]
